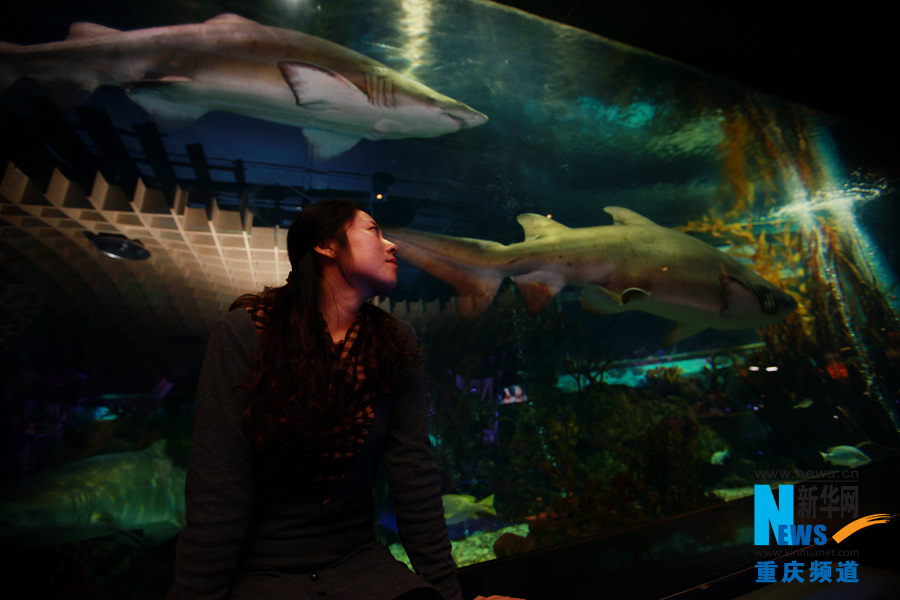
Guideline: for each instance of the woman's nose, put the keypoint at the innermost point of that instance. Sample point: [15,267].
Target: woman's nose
[391,246]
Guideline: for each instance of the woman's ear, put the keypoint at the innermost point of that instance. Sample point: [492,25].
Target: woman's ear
[326,249]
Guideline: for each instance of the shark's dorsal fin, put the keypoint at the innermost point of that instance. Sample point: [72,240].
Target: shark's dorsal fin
[624,216]
[80,31]
[537,226]
[230,18]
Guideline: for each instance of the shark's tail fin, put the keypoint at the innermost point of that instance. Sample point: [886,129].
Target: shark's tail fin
[487,505]
[472,267]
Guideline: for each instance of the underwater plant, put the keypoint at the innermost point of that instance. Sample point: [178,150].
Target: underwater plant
[586,370]
[840,345]
[758,143]
[664,379]
[620,456]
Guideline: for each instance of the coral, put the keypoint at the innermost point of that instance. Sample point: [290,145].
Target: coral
[509,544]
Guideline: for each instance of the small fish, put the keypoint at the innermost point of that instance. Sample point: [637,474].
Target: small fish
[845,456]
[462,508]
[805,403]
[720,457]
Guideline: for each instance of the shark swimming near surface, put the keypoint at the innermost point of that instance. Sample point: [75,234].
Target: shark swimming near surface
[178,73]
[633,264]
[112,494]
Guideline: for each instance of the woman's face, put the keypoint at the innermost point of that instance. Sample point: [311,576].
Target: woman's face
[371,266]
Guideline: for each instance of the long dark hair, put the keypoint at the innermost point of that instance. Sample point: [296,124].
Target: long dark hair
[298,390]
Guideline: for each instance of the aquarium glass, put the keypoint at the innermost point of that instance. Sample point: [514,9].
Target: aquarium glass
[735,324]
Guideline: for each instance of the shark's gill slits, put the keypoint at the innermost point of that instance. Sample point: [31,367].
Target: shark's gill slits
[767,303]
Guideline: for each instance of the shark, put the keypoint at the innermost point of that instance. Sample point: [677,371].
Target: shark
[178,73]
[136,497]
[633,264]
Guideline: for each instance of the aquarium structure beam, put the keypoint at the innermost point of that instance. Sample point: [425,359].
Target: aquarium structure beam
[201,257]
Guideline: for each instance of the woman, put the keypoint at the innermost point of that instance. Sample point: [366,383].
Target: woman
[303,389]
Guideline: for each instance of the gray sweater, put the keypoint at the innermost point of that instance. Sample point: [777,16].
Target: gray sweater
[255,526]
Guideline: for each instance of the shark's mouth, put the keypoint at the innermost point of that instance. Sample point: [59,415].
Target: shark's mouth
[460,123]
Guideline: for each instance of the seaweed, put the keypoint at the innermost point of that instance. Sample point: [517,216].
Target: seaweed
[619,457]
[840,346]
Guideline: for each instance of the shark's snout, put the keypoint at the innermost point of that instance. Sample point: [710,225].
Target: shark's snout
[775,302]
[465,117]
[786,303]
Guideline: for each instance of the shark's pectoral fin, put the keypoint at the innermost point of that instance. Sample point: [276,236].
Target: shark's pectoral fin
[682,331]
[316,87]
[598,299]
[595,299]
[327,144]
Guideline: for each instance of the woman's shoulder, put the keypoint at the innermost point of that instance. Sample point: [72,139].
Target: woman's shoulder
[237,323]
[404,326]
[237,317]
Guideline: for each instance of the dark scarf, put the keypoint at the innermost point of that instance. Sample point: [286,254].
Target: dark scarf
[331,453]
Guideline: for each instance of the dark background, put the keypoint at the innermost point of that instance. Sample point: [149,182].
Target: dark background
[839,58]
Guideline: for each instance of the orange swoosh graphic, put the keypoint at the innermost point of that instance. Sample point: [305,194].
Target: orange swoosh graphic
[851,528]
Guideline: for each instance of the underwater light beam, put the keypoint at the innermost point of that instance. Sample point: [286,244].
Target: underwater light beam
[840,204]
[415,24]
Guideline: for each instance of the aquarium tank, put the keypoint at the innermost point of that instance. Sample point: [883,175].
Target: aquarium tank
[658,310]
